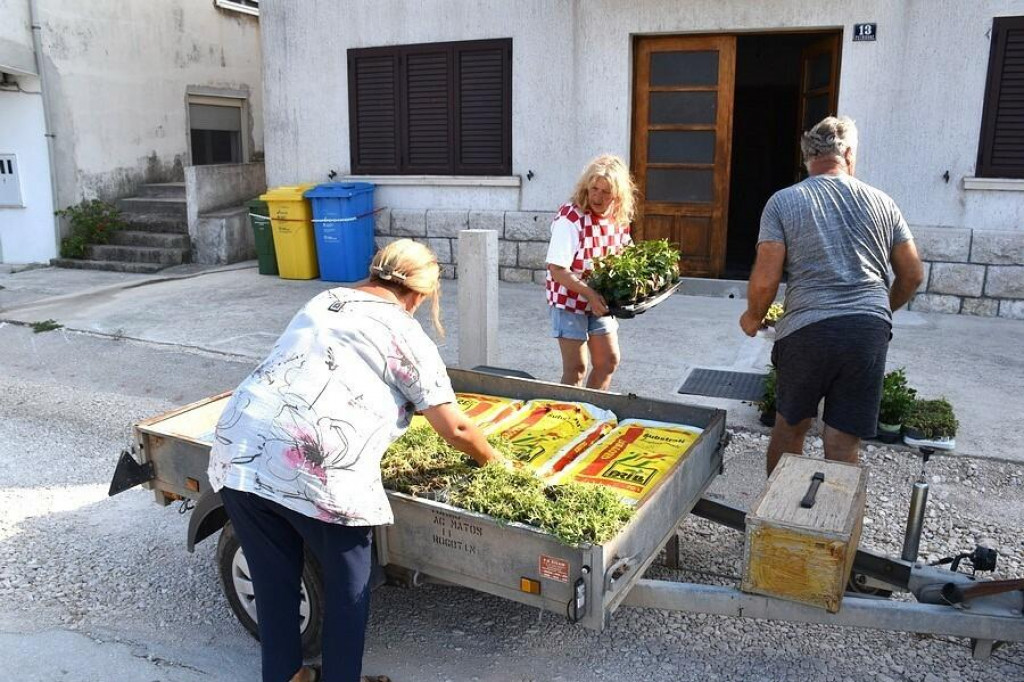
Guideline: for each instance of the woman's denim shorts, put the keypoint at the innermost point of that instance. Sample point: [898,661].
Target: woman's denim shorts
[580,326]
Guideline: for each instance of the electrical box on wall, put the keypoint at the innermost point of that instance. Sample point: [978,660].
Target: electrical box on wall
[10,182]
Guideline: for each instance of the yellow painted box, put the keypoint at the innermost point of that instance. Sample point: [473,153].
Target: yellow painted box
[800,553]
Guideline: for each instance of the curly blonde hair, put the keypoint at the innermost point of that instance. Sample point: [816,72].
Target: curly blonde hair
[614,170]
[405,264]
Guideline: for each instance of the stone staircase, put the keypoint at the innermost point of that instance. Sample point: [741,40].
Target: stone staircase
[156,236]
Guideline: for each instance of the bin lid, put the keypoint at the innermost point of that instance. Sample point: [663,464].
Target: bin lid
[286,192]
[339,190]
[257,205]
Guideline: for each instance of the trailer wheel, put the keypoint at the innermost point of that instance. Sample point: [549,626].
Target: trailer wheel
[236,582]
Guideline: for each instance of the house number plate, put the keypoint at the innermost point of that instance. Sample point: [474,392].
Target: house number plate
[864,32]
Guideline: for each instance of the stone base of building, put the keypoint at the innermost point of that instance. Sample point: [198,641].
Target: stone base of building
[967,272]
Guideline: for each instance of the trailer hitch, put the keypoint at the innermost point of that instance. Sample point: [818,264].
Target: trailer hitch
[129,474]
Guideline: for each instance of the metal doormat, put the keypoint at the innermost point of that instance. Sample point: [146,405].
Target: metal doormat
[717,383]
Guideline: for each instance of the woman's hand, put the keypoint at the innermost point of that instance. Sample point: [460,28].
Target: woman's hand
[462,434]
[597,303]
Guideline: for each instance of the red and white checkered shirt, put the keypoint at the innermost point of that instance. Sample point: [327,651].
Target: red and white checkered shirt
[594,237]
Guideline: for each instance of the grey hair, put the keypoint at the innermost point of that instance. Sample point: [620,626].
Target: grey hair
[829,138]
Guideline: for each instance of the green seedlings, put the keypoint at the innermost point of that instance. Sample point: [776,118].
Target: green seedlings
[640,271]
[422,463]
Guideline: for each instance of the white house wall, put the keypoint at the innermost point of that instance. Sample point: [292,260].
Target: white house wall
[117,74]
[916,92]
[26,233]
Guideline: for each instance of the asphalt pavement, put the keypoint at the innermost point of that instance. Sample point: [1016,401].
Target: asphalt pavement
[975,362]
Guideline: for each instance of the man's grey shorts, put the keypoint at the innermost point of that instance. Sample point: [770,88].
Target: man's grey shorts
[580,326]
[840,359]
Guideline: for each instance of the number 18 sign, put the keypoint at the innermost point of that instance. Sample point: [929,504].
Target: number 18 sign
[864,31]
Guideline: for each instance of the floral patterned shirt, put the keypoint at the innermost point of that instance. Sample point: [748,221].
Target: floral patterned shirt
[308,427]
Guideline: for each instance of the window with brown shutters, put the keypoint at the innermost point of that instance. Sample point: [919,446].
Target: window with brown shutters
[432,109]
[1001,149]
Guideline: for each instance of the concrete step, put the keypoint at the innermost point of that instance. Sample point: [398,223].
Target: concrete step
[113,266]
[137,254]
[154,206]
[145,222]
[163,240]
[166,190]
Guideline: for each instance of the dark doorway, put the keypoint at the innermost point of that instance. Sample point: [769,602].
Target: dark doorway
[777,86]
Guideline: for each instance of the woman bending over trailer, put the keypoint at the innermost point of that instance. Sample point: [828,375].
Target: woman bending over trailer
[594,223]
[297,451]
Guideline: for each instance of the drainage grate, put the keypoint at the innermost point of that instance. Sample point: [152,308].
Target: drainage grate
[718,383]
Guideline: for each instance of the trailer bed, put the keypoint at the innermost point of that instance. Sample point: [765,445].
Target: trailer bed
[518,562]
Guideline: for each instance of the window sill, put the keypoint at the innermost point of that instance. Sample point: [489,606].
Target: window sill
[440,180]
[998,184]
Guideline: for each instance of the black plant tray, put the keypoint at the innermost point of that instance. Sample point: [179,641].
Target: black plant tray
[643,305]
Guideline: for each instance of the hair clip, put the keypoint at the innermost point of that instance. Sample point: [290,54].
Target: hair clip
[387,273]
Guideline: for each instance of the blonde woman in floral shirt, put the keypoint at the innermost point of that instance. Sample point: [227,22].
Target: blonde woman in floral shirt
[297,452]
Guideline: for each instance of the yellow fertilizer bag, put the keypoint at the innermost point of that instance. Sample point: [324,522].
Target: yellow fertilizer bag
[486,411]
[633,457]
[548,432]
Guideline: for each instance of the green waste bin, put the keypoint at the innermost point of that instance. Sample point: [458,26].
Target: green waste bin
[259,217]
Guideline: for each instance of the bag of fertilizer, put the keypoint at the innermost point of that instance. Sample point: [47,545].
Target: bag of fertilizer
[550,432]
[486,411]
[633,457]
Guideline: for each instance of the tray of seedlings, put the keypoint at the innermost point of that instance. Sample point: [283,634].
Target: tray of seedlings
[599,484]
[640,277]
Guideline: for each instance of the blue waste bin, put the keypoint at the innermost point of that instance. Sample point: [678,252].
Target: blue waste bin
[343,225]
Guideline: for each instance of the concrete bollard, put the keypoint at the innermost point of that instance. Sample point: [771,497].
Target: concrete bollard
[478,298]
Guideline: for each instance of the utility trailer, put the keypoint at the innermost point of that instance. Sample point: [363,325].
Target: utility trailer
[431,540]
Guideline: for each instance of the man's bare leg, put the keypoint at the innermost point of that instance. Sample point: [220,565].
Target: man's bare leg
[840,446]
[786,437]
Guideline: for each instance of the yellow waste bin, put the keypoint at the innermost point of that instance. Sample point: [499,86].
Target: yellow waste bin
[291,220]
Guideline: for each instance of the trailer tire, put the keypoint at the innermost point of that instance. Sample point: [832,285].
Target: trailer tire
[237,585]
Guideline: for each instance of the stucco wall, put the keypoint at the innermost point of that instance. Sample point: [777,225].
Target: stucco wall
[117,74]
[16,37]
[27,233]
[916,92]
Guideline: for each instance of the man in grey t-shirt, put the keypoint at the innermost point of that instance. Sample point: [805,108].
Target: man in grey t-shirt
[837,239]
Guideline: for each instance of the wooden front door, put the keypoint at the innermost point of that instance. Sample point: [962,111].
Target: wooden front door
[819,88]
[682,141]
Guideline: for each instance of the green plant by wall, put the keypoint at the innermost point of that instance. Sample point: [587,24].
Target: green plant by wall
[931,419]
[92,222]
[897,397]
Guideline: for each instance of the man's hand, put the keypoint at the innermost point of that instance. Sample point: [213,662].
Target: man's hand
[750,324]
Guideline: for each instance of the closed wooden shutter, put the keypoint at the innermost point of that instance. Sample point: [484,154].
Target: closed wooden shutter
[1001,151]
[441,108]
[374,112]
[428,99]
[484,143]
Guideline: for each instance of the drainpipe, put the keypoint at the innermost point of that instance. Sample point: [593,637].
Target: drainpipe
[37,46]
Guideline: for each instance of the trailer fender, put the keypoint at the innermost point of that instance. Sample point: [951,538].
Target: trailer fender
[208,517]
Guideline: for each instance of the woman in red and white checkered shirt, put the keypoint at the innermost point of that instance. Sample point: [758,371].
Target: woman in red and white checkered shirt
[594,223]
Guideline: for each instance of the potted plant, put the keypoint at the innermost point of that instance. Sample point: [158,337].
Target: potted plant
[640,271]
[766,405]
[897,399]
[775,312]
[930,423]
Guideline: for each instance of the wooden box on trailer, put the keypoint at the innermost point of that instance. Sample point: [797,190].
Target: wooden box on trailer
[800,546]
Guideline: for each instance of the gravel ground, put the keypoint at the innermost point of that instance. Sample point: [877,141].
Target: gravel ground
[116,568]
